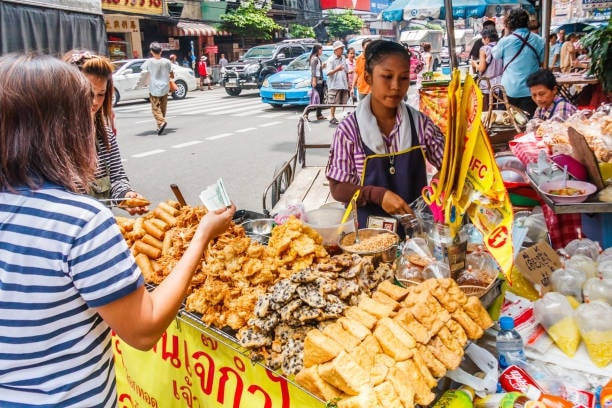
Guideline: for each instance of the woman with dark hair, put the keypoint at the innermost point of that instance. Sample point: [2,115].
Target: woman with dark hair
[487,66]
[68,276]
[381,148]
[522,52]
[316,73]
[111,180]
[544,92]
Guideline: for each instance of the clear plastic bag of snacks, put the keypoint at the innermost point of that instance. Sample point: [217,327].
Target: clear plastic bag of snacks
[596,330]
[598,289]
[556,315]
[583,263]
[568,282]
[583,246]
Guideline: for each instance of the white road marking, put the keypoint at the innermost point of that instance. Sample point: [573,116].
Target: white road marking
[245,130]
[186,144]
[270,124]
[219,136]
[149,153]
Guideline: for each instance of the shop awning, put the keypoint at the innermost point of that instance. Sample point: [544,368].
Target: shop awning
[195,29]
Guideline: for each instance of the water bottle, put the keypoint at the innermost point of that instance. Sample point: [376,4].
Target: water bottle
[509,344]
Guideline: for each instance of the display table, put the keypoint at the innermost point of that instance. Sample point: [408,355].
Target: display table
[567,80]
[196,366]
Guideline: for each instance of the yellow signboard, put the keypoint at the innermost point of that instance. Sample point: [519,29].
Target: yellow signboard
[196,367]
[153,7]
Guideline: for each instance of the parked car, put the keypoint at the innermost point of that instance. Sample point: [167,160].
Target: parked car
[127,73]
[258,63]
[292,85]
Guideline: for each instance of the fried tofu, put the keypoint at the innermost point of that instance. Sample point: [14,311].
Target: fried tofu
[309,379]
[395,292]
[377,309]
[319,348]
[386,299]
[474,308]
[386,395]
[345,374]
[394,340]
[361,316]
[354,327]
[406,319]
[422,392]
[342,337]
[472,330]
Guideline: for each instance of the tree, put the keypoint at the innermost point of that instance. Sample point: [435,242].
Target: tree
[250,20]
[599,45]
[342,24]
[300,31]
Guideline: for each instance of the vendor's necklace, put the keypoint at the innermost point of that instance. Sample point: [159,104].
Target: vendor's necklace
[391,158]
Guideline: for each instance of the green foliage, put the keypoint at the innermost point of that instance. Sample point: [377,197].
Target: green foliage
[342,24]
[598,43]
[250,20]
[300,31]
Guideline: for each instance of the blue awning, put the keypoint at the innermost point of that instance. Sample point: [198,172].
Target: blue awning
[418,9]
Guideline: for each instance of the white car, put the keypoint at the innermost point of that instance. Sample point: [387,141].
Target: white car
[127,73]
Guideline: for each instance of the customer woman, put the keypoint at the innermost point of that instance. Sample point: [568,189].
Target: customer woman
[381,148]
[111,180]
[316,74]
[489,69]
[68,277]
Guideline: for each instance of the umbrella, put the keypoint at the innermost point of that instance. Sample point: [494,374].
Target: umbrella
[418,9]
[574,28]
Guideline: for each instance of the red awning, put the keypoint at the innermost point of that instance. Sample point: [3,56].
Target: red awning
[195,29]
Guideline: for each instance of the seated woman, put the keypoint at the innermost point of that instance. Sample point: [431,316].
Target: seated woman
[381,148]
[544,92]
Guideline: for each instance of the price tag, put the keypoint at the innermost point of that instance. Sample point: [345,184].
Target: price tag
[537,263]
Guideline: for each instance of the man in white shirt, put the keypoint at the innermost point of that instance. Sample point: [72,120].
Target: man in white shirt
[159,70]
[337,80]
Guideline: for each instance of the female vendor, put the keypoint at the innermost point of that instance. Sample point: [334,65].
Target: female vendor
[382,147]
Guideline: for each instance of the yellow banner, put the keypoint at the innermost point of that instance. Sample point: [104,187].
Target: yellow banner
[196,367]
[153,7]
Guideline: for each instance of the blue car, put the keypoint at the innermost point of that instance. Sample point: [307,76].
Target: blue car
[292,85]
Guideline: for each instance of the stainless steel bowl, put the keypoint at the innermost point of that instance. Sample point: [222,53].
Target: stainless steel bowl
[260,229]
[386,254]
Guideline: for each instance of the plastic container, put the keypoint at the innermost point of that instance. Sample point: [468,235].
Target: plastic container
[327,222]
[551,401]
[509,344]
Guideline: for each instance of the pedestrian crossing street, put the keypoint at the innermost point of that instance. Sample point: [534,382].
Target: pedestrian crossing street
[216,103]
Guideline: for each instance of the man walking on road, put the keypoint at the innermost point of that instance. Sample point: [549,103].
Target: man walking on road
[159,72]
[337,80]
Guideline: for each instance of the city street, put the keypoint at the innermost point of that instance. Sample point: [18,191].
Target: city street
[209,135]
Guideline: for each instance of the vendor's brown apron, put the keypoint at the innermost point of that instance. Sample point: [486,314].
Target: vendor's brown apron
[408,180]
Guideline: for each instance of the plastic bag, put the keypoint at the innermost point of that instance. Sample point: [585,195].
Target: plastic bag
[598,289]
[568,282]
[583,246]
[556,315]
[596,329]
[584,264]
[486,362]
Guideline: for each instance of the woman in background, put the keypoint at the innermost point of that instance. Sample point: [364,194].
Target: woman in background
[68,276]
[111,180]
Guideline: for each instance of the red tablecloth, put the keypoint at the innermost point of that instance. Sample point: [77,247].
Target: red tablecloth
[562,228]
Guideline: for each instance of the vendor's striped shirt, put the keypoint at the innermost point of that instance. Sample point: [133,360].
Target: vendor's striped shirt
[109,163]
[61,256]
[346,157]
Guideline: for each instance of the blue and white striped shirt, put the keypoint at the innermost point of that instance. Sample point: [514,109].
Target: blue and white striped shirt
[61,256]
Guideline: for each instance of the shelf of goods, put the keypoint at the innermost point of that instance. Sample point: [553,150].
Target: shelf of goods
[286,324]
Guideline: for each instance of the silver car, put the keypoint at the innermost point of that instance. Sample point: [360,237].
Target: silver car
[127,73]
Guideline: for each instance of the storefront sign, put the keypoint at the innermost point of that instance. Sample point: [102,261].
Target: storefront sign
[153,7]
[172,44]
[596,4]
[196,367]
[121,24]
[211,49]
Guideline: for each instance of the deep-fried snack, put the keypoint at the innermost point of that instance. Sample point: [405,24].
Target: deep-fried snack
[361,315]
[319,348]
[472,330]
[406,319]
[169,208]
[344,373]
[151,227]
[366,399]
[354,327]
[443,353]
[380,368]
[422,393]
[377,309]
[403,387]
[141,247]
[450,341]
[394,340]
[418,361]
[447,292]
[386,395]
[436,368]
[343,337]
[151,240]
[309,378]
[145,265]
[164,216]
[474,308]
[386,299]
[395,292]
[134,202]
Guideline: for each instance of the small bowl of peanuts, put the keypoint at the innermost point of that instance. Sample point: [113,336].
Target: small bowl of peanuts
[376,242]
